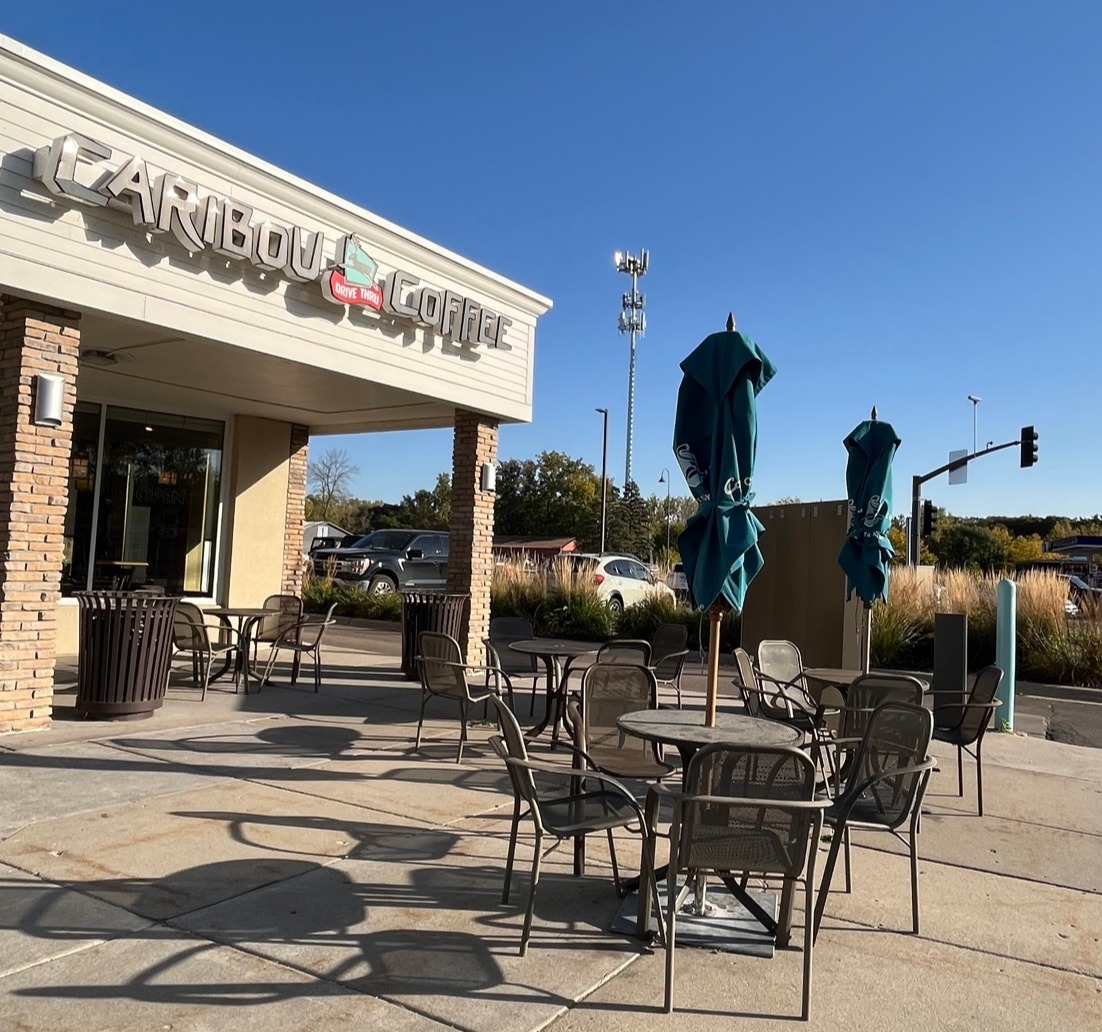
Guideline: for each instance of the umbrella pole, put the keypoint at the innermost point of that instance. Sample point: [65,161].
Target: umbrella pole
[866,638]
[715,624]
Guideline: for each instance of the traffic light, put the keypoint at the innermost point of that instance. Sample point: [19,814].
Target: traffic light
[1029,446]
[929,518]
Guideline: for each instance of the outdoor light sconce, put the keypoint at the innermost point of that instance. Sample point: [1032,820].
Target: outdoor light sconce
[489,476]
[49,399]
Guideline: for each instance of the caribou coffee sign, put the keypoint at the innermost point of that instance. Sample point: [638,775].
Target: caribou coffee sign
[168,203]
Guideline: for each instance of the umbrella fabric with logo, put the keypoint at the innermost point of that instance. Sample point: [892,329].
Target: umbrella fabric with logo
[715,441]
[867,551]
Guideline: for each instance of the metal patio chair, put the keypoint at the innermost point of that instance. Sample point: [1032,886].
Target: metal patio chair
[504,630]
[203,642]
[963,723]
[445,675]
[786,698]
[635,652]
[755,699]
[590,802]
[286,612]
[883,790]
[669,651]
[743,811]
[303,638]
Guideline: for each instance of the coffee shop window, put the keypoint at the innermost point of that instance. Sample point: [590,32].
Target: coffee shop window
[144,496]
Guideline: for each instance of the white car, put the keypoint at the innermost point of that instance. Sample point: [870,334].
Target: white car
[621,581]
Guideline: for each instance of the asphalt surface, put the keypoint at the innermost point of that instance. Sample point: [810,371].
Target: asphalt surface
[1068,715]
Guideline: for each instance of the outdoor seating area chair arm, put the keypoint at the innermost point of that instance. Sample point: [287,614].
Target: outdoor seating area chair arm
[808,705]
[574,774]
[676,794]
[293,634]
[850,797]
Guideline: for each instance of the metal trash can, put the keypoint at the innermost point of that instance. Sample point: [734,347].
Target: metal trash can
[428,611]
[125,652]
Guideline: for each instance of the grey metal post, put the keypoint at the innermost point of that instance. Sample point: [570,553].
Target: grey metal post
[1006,639]
[604,478]
[915,541]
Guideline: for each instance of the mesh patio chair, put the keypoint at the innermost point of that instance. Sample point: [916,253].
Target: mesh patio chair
[965,725]
[504,630]
[745,811]
[669,651]
[625,650]
[590,802]
[755,700]
[303,638]
[883,790]
[203,642]
[445,675]
[610,690]
[286,612]
[786,698]
[864,696]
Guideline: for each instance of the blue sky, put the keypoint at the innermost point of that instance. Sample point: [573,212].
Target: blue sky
[900,203]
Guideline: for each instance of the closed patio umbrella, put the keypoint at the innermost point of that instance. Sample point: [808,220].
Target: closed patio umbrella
[715,441]
[866,552]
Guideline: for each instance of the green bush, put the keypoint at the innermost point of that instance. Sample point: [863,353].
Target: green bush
[643,619]
[319,593]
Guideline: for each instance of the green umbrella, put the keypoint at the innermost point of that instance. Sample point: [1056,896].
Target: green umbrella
[867,551]
[715,441]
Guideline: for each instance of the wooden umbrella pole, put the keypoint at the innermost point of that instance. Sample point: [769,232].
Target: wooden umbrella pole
[866,638]
[715,625]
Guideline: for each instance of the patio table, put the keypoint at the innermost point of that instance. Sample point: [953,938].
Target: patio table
[842,677]
[553,651]
[247,618]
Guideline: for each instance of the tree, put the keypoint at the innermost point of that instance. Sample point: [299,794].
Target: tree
[897,535]
[553,495]
[330,480]
[428,510]
[963,545]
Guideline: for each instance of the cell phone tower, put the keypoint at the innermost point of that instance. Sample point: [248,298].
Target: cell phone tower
[633,320]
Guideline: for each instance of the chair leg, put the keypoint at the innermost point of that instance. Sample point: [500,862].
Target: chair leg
[849,869]
[809,943]
[205,667]
[979,774]
[615,866]
[462,732]
[914,879]
[531,895]
[420,720]
[317,670]
[960,772]
[512,850]
[296,665]
[828,874]
[784,921]
[671,936]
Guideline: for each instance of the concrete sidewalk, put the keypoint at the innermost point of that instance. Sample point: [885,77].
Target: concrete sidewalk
[285,861]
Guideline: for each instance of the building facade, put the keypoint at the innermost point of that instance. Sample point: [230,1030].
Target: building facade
[177,319]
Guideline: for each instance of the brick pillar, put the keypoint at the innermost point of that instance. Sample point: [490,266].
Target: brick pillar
[471,531]
[34,491]
[296,511]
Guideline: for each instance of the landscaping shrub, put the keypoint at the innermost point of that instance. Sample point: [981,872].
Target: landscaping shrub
[319,593]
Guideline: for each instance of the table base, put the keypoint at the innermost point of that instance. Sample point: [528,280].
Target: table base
[729,927]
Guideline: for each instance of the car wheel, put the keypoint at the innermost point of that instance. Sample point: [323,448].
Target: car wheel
[382,585]
[616,604]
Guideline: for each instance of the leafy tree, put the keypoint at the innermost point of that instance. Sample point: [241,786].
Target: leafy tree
[964,545]
[428,510]
[330,480]
[553,495]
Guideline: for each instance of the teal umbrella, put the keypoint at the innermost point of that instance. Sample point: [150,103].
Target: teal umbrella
[867,551]
[715,441]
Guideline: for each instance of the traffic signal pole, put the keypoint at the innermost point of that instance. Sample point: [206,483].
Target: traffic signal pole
[914,545]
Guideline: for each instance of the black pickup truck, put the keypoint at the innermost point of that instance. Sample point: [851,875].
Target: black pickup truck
[389,560]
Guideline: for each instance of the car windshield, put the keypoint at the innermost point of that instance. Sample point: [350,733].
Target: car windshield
[387,540]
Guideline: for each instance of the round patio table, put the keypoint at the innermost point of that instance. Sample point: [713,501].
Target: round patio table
[686,730]
[553,652]
[247,618]
[842,678]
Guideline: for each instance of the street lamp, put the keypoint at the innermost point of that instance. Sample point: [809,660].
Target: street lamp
[604,477]
[632,320]
[975,407]
[665,479]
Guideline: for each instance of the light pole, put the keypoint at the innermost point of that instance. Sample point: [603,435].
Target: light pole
[632,320]
[665,479]
[604,477]
[975,407]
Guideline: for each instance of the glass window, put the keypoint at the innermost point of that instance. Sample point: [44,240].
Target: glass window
[82,492]
[158,502]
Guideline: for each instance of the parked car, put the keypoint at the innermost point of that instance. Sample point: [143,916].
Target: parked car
[329,543]
[1080,594]
[389,560]
[620,581]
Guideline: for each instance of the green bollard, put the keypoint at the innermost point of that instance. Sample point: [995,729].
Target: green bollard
[1006,640]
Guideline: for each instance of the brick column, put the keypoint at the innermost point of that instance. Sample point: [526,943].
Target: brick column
[34,491]
[296,511]
[471,531]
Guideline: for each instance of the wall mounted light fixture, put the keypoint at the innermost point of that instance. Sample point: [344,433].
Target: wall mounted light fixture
[49,399]
[489,476]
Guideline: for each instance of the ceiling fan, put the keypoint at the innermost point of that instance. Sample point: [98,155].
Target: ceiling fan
[105,359]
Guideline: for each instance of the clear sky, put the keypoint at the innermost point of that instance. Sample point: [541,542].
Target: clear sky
[899,202]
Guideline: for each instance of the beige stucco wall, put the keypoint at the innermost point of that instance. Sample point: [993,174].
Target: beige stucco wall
[67,626]
[258,504]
